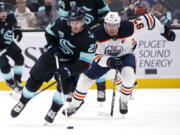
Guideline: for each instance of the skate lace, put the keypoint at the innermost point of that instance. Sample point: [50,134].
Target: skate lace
[101,94]
[70,110]
[124,105]
[19,85]
[11,85]
[52,114]
[19,107]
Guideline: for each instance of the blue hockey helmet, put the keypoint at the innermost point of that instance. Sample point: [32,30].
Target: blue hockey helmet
[2,7]
[76,14]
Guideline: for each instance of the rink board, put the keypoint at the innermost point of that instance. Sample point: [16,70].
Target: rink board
[142,83]
[157,59]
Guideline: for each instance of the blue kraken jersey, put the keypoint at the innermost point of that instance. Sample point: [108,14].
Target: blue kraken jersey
[71,46]
[95,9]
[6,30]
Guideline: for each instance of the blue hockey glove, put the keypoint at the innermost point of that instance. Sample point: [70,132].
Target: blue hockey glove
[18,33]
[64,73]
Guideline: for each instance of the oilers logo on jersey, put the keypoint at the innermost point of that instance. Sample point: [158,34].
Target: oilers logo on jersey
[113,50]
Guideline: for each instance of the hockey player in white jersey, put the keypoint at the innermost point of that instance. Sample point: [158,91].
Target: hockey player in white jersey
[115,40]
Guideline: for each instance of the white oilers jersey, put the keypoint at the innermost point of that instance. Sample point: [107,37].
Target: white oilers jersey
[124,43]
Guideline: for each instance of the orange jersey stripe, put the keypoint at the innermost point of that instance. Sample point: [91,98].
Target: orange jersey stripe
[126,90]
[75,94]
[98,57]
[150,19]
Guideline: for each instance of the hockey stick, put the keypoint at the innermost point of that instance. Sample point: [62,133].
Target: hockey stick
[114,93]
[128,7]
[59,81]
[37,93]
[3,51]
[120,12]
[15,96]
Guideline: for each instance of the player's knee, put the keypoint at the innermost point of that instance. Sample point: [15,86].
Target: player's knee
[84,83]
[19,59]
[5,69]
[33,85]
[101,79]
[128,76]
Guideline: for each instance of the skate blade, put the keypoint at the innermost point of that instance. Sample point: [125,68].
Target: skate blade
[123,116]
[46,123]
[102,114]
[100,104]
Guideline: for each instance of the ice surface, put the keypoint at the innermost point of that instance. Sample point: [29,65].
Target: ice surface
[152,112]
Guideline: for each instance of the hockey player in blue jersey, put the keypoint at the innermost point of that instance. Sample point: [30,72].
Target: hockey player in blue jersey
[95,11]
[8,27]
[75,45]
[116,43]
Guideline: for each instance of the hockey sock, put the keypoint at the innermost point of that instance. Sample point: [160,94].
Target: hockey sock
[18,70]
[58,101]
[78,98]
[26,95]
[126,92]
[101,86]
[8,78]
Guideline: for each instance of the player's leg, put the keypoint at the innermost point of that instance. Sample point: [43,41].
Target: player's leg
[38,74]
[74,84]
[6,71]
[128,80]
[28,93]
[101,87]
[80,92]
[57,101]
[15,53]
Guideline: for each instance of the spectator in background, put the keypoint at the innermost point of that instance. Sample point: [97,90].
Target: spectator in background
[161,12]
[25,18]
[140,9]
[176,17]
[33,5]
[115,5]
[118,6]
[172,5]
[151,2]
[10,4]
[56,5]
[44,17]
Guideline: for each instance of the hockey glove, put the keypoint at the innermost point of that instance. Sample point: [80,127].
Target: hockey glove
[18,33]
[168,34]
[64,73]
[113,62]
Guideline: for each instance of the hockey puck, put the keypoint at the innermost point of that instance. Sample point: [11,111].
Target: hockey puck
[70,127]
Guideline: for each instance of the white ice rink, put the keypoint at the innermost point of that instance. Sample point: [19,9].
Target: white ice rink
[152,112]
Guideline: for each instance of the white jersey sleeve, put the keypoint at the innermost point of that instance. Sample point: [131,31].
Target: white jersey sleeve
[147,22]
[100,48]
[101,58]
